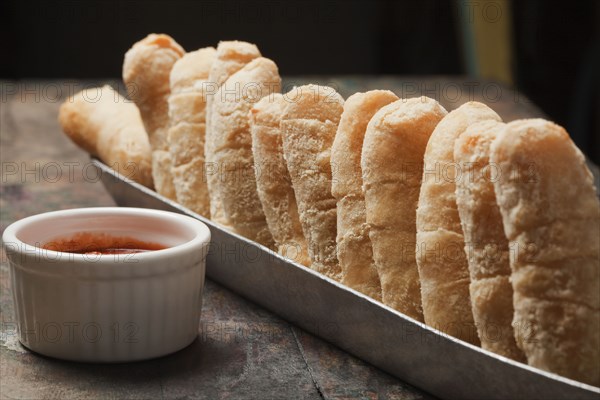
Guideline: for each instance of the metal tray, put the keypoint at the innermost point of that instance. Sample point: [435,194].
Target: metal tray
[397,344]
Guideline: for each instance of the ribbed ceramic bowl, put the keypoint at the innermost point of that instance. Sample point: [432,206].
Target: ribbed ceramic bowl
[107,307]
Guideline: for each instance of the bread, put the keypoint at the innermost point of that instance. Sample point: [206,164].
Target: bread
[110,127]
[273,181]
[551,217]
[443,268]
[485,243]
[231,57]
[308,125]
[232,146]
[354,250]
[392,165]
[187,114]
[146,71]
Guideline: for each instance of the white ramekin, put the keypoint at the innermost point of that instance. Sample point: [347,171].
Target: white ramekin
[107,308]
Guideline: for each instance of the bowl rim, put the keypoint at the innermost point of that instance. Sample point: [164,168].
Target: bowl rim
[200,240]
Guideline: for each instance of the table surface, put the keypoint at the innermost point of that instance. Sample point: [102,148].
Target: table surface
[242,350]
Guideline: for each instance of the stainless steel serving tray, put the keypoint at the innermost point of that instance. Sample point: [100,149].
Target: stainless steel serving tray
[399,345]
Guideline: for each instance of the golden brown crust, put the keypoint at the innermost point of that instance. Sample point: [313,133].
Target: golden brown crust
[354,249]
[191,71]
[187,106]
[232,146]
[162,174]
[485,242]
[110,128]
[231,57]
[273,179]
[551,217]
[146,71]
[443,267]
[308,125]
[392,162]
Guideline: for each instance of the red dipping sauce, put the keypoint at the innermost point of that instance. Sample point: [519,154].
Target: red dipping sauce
[101,243]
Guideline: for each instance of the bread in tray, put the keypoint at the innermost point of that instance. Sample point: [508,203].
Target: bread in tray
[187,120]
[232,146]
[231,57]
[551,216]
[392,161]
[109,126]
[309,124]
[146,70]
[354,247]
[511,260]
[442,262]
[273,180]
[486,245]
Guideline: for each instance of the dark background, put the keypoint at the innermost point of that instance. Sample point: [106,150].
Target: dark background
[556,44]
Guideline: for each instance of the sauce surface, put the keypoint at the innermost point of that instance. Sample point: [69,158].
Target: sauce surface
[101,243]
